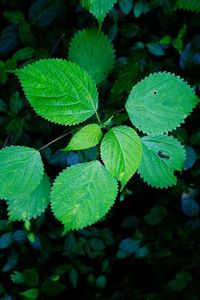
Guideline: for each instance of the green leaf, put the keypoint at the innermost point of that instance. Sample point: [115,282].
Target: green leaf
[24,53]
[82,195]
[92,51]
[159,103]
[31,206]
[6,240]
[3,106]
[87,137]
[30,294]
[181,281]
[73,277]
[16,103]
[192,5]
[21,170]
[162,156]
[156,215]
[121,152]
[43,12]
[101,282]
[15,17]
[127,247]
[99,8]
[59,91]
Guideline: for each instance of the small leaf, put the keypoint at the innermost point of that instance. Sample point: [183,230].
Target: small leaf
[24,53]
[192,5]
[99,8]
[31,294]
[121,152]
[159,103]
[3,106]
[127,247]
[87,137]
[189,206]
[52,288]
[101,282]
[21,170]
[162,155]
[43,12]
[156,215]
[32,206]
[92,51]
[8,39]
[181,281]
[126,6]
[6,240]
[15,17]
[73,277]
[82,195]
[59,91]
[191,158]
[16,103]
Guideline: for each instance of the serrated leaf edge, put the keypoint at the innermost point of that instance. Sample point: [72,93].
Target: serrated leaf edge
[170,185]
[56,59]
[12,146]
[100,151]
[102,33]
[180,124]
[91,223]
[93,14]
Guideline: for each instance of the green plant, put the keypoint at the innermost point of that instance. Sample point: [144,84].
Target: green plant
[65,92]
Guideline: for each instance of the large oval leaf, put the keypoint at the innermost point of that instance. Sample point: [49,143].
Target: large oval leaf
[83,194]
[32,206]
[159,103]
[92,51]
[21,170]
[121,152]
[162,156]
[59,91]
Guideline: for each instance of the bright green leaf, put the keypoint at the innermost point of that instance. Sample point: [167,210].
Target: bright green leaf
[59,91]
[21,170]
[99,8]
[162,156]
[87,137]
[159,103]
[92,51]
[121,152]
[83,194]
[31,206]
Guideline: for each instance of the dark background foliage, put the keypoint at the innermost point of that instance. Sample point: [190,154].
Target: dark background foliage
[148,246]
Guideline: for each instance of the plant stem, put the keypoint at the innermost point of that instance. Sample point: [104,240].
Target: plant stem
[100,26]
[98,118]
[58,138]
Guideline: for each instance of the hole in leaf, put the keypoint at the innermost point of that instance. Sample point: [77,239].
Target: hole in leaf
[155,92]
[163,155]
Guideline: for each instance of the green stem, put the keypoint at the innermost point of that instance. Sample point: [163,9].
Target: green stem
[98,118]
[100,27]
[59,138]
